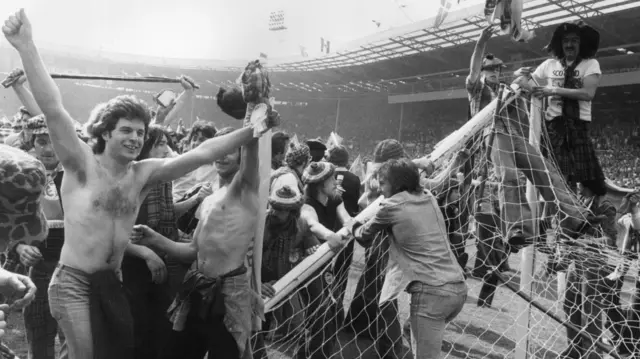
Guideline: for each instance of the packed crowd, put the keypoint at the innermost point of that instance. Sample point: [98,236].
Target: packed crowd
[147,247]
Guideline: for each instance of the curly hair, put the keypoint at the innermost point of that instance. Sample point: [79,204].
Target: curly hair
[105,116]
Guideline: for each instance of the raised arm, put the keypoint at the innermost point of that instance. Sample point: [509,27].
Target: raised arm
[187,95]
[478,54]
[26,97]
[169,169]
[70,150]
[248,177]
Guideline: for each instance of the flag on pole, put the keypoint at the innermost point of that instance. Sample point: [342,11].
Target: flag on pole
[334,140]
[357,168]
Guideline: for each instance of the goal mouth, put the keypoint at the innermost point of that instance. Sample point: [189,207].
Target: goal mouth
[522,305]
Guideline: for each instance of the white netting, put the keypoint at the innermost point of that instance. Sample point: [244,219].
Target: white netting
[338,316]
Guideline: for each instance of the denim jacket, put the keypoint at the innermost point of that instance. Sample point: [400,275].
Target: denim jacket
[419,245]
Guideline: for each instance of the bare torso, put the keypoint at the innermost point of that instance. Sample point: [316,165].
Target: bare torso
[225,231]
[99,215]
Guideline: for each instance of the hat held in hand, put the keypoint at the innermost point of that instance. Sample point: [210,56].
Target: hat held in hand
[22,182]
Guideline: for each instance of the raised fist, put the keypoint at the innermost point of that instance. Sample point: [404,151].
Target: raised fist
[17,30]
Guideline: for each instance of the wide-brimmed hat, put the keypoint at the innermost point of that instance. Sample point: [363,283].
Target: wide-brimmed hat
[22,182]
[589,39]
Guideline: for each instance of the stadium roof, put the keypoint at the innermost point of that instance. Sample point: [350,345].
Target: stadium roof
[413,58]
[459,28]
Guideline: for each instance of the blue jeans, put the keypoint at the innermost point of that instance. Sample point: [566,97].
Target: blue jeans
[431,309]
[69,294]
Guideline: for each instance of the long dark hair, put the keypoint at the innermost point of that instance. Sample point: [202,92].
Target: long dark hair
[589,40]
[154,136]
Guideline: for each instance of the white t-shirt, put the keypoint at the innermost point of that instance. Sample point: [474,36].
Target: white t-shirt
[552,72]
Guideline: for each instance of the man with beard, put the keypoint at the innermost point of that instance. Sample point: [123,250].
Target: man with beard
[288,240]
[570,80]
[213,310]
[102,190]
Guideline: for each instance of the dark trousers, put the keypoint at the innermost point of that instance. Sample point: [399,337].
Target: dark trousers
[201,336]
[149,303]
[365,317]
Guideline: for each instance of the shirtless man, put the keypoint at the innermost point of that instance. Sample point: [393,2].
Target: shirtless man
[222,240]
[101,193]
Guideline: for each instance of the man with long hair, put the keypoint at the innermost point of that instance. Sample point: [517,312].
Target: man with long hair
[570,80]
[102,190]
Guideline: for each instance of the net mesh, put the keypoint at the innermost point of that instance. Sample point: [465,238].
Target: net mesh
[584,287]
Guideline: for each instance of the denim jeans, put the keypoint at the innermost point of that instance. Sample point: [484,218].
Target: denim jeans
[40,326]
[149,303]
[431,309]
[69,294]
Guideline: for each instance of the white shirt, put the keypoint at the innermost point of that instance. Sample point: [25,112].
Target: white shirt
[552,72]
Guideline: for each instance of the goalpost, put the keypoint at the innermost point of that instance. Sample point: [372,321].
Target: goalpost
[523,321]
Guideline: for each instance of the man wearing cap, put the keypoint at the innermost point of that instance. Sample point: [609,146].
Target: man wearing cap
[324,206]
[484,75]
[288,240]
[482,86]
[296,160]
[317,148]
[19,139]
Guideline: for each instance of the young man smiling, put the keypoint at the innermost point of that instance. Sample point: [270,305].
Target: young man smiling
[101,192]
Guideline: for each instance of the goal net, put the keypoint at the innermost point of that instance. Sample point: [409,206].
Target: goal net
[567,286]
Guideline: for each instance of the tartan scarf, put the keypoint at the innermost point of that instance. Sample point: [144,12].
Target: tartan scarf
[571,107]
[277,243]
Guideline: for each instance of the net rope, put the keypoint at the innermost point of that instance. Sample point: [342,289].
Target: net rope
[338,315]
